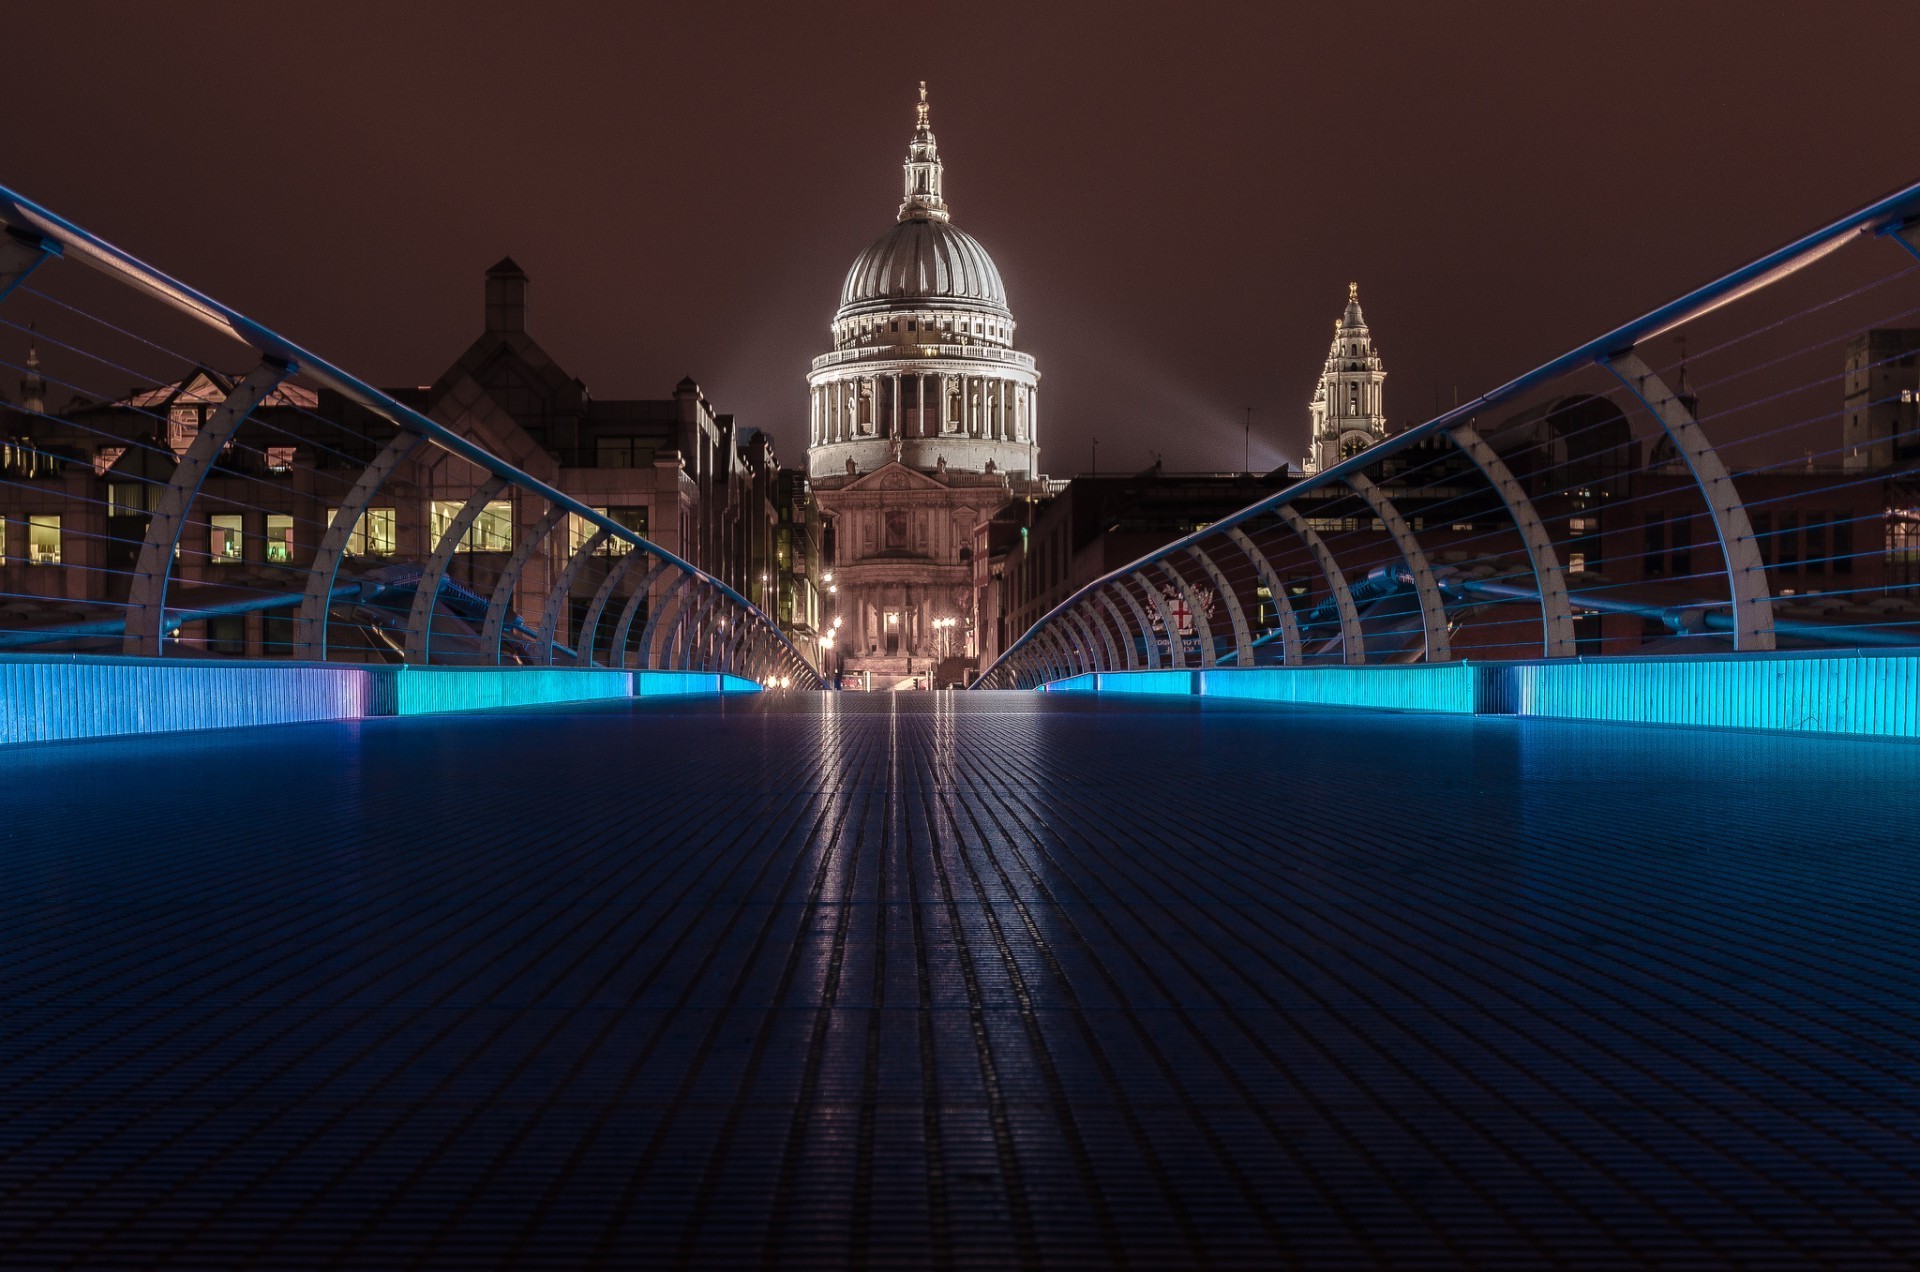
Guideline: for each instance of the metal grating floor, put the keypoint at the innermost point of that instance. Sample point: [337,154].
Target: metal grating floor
[959,980]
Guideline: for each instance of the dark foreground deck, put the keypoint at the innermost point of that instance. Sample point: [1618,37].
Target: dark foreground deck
[959,980]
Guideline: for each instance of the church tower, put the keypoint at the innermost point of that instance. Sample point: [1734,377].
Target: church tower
[1348,408]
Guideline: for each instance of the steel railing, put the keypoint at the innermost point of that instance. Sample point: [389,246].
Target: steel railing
[247,498]
[1734,470]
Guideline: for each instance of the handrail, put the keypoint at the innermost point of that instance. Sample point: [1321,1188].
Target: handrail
[1892,213]
[36,225]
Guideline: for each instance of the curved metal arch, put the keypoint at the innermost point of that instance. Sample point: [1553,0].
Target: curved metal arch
[1096,623]
[147,594]
[1746,572]
[677,645]
[1176,653]
[587,639]
[1556,611]
[1147,644]
[557,597]
[1433,610]
[1353,642]
[617,650]
[1056,661]
[1070,639]
[426,592]
[503,588]
[1119,625]
[1242,637]
[310,628]
[670,603]
[1201,627]
[1291,651]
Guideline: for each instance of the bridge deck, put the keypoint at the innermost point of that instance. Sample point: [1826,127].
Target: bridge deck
[967,978]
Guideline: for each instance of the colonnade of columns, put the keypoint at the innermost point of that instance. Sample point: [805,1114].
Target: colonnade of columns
[922,404]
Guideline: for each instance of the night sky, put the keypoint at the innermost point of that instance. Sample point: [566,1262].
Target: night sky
[1177,195]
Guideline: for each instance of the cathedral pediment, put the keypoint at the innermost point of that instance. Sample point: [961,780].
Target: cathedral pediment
[894,476]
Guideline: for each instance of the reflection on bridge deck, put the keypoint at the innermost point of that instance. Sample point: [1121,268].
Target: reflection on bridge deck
[980,978]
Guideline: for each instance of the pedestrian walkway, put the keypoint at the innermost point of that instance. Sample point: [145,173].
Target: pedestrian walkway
[959,979]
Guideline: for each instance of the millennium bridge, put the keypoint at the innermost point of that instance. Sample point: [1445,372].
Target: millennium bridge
[1498,849]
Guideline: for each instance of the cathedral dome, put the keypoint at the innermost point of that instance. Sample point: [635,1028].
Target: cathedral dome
[923,260]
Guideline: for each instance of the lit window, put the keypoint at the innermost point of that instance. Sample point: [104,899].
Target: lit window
[279,538]
[634,518]
[372,536]
[43,540]
[279,459]
[491,531]
[1576,562]
[225,532]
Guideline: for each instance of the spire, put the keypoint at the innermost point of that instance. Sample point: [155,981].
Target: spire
[33,389]
[1353,321]
[923,201]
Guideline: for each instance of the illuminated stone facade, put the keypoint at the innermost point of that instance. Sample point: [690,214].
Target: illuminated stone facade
[923,421]
[1349,407]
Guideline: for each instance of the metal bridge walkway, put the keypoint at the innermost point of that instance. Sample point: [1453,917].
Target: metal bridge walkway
[959,979]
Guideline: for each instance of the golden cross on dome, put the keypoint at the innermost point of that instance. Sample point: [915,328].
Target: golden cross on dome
[921,109]
[1353,291]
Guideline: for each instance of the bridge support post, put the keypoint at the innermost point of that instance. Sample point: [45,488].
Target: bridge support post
[310,628]
[1433,610]
[557,599]
[1242,638]
[147,597]
[502,598]
[1353,642]
[1290,651]
[617,650]
[588,638]
[1176,649]
[1746,573]
[1556,612]
[1202,629]
[1120,626]
[426,596]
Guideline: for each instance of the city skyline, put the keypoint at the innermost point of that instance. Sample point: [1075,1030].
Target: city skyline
[1179,209]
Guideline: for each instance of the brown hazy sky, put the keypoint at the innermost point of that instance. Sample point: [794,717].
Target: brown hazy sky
[1176,195]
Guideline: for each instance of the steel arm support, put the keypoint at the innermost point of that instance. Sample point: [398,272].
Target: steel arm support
[1433,610]
[617,650]
[310,629]
[1353,642]
[557,599]
[1120,626]
[657,624]
[1176,648]
[1202,630]
[502,599]
[1746,572]
[1145,624]
[587,639]
[1099,624]
[147,597]
[1556,613]
[1291,652]
[20,255]
[1242,637]
[426,593]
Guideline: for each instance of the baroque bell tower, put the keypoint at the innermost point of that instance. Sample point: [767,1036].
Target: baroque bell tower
[1349,407]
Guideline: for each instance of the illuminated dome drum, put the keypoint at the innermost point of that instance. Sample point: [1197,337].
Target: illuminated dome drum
[923,368]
